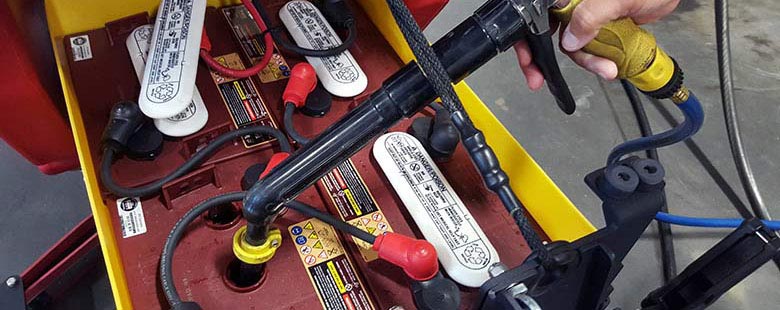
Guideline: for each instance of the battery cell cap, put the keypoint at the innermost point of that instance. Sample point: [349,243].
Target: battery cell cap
[463,248]
[340,74]
[169,75]
[189,120]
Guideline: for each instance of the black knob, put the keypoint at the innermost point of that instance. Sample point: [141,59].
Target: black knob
[438,135]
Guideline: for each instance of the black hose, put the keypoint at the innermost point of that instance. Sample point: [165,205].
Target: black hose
[730,112]
[330,220]
[166,258]
[668,261]
[199,157]
[289,125]
[276,33]
[473,139]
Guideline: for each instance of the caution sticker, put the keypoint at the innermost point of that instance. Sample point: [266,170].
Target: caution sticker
[355,204]
[332,274]
[131,216]
[243,101]
[81,48]
[252,41]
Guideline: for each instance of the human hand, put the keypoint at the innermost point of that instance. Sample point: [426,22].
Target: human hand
[587,19]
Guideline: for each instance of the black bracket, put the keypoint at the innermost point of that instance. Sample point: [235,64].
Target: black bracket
[580,273]
[711,275]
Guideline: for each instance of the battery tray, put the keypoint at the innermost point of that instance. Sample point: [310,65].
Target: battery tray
[203,257]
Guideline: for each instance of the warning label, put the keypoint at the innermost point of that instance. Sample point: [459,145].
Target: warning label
[131,216]
[355,204]
[332,274]
[252,43]
[348,191]
[81,48]
[243,101]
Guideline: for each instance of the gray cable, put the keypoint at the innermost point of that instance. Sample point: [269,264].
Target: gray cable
[730,112]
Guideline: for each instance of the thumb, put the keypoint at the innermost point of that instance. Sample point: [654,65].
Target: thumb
[588,18]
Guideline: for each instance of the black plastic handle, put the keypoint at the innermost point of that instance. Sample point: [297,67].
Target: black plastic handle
[544,57]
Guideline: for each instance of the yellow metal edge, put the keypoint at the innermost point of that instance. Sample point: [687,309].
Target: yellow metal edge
[102,217]
[546,203]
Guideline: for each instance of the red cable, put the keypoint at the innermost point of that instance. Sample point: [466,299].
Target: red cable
[219,68]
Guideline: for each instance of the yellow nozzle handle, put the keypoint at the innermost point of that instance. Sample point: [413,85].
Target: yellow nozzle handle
[633,49]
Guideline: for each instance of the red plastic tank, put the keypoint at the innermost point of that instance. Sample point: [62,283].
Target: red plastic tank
[33,121]
[425,10]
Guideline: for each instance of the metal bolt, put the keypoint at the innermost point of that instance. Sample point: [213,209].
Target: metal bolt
[496,269]
[11,282]
[518,291]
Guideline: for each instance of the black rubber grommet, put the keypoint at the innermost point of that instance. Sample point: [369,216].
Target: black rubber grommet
[619,181]
[650,171]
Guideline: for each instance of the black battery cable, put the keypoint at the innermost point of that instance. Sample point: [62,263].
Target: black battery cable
[178,230]
[337,12]
[126,118]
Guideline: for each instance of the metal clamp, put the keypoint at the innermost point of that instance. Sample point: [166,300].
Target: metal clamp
[535,14]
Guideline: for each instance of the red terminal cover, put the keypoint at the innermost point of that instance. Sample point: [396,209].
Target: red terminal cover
[273,162]
[416,257]
[303,79]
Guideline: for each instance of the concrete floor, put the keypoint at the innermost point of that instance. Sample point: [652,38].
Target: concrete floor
[40,209]
[568,147]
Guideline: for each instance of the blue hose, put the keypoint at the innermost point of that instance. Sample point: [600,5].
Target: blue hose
[708,222]
[694,118]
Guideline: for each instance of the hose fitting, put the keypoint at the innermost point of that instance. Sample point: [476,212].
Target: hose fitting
[635,52]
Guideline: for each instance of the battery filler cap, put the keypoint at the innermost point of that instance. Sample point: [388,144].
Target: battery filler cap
[416,257]
[303,80]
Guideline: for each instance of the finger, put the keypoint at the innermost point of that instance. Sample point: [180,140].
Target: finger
[647,15]
[589,16]
[603,67]
[533,76]
[523,53]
